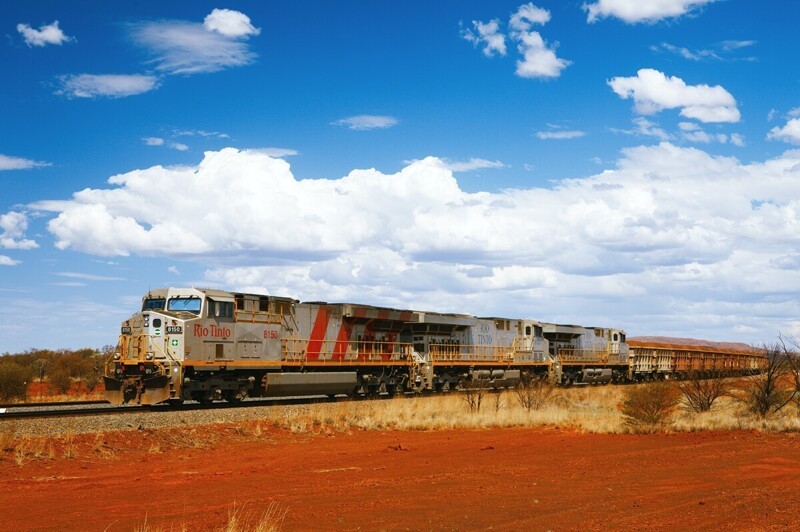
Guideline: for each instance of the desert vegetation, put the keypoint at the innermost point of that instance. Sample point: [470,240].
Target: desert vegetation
[44,374]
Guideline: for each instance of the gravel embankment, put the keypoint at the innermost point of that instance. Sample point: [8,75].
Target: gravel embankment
[49,427]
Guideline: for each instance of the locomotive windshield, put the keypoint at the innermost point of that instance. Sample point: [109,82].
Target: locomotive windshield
[185,304]
[153,303]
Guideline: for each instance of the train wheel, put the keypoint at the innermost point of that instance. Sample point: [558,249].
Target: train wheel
[232,396]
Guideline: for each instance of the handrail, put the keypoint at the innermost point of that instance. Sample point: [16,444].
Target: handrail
[258,316]
[307,350]
[471,353]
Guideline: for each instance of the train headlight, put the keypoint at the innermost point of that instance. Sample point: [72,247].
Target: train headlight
[149,356]
[116,356]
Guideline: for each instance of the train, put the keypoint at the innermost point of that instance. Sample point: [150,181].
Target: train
[207,345]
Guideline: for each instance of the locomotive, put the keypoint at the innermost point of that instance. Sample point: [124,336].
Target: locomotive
[206,345]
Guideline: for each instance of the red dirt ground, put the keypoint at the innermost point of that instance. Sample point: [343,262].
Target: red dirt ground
[511,479]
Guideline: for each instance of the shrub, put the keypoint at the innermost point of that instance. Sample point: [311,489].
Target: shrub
[61,380]
[771,390]
[12,381]
[533,392]
[700,391]
[649,406]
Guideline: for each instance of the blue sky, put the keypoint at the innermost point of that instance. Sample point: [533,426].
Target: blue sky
[611,162]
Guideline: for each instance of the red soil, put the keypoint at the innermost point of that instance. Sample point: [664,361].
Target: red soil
[520,479]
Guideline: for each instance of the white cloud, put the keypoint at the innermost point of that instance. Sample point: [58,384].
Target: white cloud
[646,128]
[13,225]
[471,164]
[527,15]
[7,261]
[366,122]
[230,23]
[183,47]
[416,239]
[173,270]
[8,162]
[200,133]
[790,132]
[692,55]
[634,11]
[90,276]
[46,34]
[652,92]
[278,152]
[650,129]
[487,33]
[737,139]
[153,141]
[178,146]
[561,134]
[723,51]
[794,113]
[105,85]
[539,60]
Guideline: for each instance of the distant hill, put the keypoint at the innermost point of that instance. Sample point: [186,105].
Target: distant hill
[735,346]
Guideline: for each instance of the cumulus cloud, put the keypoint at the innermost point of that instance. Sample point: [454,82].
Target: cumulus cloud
[46,34]
[9,162]
[105,85]
[489,34]
[178,146]
[7,261]
[230,23]
[635,11]
[184,47]
[366,122]
[790,132]
[652,91]
[13,225]
[539,60]
[415,238]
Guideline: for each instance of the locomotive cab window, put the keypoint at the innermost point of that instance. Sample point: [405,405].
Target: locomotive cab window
[219,309]
[184,304]
[153,303]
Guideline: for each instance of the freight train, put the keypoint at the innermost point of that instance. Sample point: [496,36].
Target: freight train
[206,345]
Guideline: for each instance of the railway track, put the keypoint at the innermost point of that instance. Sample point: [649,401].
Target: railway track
[87,408]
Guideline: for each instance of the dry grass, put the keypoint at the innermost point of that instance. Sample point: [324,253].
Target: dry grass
[589,410]
[585,409]
[595,409]
[245,518]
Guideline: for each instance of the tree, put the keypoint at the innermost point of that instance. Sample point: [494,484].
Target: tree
[61,379]
[473,393]
[12,381]
[701,390]
[768,392]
